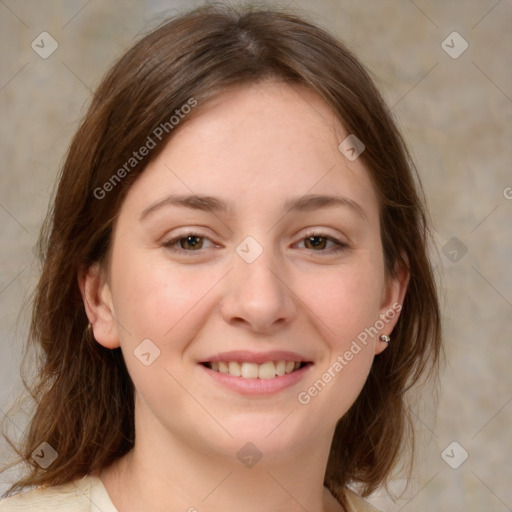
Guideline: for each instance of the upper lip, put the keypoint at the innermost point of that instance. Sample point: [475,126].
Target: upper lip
[256,357]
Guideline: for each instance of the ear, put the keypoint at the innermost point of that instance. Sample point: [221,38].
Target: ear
[98,304]
[391,304]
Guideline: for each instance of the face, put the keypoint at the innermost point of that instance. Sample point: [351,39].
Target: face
[246,282]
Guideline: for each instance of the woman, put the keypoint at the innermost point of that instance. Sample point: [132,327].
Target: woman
[236,293]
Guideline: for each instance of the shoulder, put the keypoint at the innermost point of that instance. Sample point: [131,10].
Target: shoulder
[84,495]
[357,504]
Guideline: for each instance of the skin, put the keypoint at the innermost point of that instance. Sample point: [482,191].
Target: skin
[253,147]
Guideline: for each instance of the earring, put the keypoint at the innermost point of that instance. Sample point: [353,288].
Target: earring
[385,338]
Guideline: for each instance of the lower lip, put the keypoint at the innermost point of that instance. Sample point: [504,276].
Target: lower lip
[259,387]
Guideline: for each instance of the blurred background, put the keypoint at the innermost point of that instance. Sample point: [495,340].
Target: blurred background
[445,71]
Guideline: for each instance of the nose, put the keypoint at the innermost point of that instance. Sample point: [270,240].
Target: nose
[257,295]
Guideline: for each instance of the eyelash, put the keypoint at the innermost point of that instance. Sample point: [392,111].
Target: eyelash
[339,246]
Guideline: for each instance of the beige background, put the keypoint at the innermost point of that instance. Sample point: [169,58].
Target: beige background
[455,113]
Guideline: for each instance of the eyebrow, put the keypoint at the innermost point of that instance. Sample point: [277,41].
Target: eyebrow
[192,201]
[311,202]
[304,203]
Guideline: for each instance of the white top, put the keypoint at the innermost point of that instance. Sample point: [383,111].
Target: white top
[88,494]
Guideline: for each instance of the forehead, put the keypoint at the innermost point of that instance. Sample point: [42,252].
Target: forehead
[269,118]
[254,144]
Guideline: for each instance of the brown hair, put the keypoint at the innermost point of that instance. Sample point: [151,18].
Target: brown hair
[84,395]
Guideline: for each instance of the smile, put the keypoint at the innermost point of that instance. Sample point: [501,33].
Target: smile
[249,370]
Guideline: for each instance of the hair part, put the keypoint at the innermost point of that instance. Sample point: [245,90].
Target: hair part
[84,395]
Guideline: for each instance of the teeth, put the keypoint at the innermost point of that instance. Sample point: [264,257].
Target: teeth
[290,366]
[267,370]
[234,369]
[280,368]
[249,370]
[246,370]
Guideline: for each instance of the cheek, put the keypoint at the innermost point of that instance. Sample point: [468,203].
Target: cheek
[153,299]
[346,301]
[346,305]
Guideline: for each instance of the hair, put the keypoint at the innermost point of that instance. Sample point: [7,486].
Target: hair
[84,397]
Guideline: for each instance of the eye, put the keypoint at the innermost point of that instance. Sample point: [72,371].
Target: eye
[190,242]
[194,242]
[319,242]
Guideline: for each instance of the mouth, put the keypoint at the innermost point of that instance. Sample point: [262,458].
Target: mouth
[248,370]
[256,374]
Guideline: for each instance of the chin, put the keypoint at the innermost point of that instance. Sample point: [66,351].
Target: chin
[273,434]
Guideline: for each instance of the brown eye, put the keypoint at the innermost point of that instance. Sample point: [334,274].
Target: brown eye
[323,244]
[315,242]
[191,242]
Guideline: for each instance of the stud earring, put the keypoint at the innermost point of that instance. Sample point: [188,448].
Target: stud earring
[385,338]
